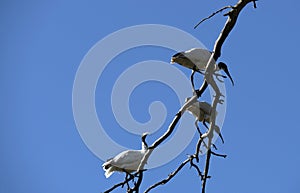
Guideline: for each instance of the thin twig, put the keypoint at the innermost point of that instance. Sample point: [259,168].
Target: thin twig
[196,167]
[120,184]
[218,155]
[220,10]
[127,180]
[189,159]
[171,175]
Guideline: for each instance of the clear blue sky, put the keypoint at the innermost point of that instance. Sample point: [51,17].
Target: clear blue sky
[43,42]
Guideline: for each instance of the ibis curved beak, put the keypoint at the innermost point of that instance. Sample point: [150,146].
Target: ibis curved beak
[223,66]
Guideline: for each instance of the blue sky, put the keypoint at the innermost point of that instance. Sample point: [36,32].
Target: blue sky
[43,43]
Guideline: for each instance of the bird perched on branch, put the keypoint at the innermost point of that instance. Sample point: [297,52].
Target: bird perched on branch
[202,112]
[127,161]
[197,59]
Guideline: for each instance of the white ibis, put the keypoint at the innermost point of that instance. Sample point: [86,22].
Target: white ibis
[197,59]
[127,161]
[202,111]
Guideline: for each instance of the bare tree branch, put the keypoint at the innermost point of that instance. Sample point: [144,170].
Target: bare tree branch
[188,160]
[137,185]
[213,14]
[173,174]
[131,177]
[229,25]
[218,155]
[196,167]
[198,149]
[126,181]
[206,170]
[168,132]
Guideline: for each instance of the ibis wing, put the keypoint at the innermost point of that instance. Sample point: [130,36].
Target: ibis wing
[128,160]
[194,109]
[199,57]
[205,107]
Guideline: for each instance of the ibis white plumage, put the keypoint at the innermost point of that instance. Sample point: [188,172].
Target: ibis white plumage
[197,59]
[202,112]
[127,161]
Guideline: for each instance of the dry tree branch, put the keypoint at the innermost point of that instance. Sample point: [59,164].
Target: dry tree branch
[173,174]
[198,149]
[137,185]
[195,166]
[213,14]
[126,181]
[122,184]
[218,155]
[218,11]
[229,25]
[190,160]
[168,132]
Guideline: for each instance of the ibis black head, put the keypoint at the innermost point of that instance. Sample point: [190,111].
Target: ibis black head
[181,59]
[145,145]
[223,66]
[177,56]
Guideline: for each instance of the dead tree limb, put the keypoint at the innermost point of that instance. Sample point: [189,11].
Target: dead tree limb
[229,25]
[170,176]
[213,14]
[121,184]
[173,174]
